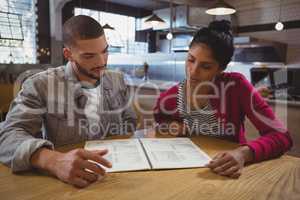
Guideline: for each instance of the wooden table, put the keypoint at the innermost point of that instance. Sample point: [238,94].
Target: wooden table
[274,179]
[6,97]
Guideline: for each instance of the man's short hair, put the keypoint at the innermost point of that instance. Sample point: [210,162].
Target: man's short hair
[80,27]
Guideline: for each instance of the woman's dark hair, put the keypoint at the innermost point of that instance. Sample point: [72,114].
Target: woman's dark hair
[218,37]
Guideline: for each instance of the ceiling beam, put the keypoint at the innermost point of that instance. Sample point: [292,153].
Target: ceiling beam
[196,3]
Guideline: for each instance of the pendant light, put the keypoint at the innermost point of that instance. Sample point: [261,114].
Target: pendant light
[170,34]
[221,8]
[154,20]
[113,37]
[279,25]
[107,26]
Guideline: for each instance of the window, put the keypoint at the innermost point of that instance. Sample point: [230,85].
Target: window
[17,31]
[123,38]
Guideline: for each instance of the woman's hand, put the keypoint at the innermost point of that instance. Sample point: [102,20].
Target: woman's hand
[231,163]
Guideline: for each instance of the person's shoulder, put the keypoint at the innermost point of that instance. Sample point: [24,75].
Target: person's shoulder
[233,76]
[114,75]
[238,81]
[168,98]
[114,80]
[43,75]
[172,90]
[39,79]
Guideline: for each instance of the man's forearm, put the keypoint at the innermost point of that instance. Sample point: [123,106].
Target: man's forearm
[44,159]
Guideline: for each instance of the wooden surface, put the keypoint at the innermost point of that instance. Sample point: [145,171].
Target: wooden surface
[6,96]
[274,179]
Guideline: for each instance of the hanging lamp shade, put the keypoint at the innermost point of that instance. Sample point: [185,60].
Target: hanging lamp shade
[113,37]
[221,8]
[154,20]
[107,26]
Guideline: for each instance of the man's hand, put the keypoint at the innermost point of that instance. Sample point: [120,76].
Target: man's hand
[231,163]
[74,167]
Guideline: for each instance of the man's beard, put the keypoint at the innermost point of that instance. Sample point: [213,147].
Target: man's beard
[86,73]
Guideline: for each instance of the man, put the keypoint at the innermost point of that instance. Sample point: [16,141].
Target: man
[68,104]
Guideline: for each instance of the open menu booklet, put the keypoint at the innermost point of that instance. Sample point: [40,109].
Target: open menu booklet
[150,153]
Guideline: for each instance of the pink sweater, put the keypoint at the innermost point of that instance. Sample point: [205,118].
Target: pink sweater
[240,99]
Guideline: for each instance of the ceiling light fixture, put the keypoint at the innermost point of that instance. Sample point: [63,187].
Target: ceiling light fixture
[107,26]
[154,20]
[170,34]
[221,8]
[279,25]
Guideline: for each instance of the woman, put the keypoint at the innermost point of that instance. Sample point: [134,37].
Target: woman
[213,102]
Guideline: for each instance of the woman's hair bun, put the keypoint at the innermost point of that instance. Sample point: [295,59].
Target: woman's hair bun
[222,26]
